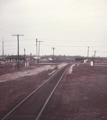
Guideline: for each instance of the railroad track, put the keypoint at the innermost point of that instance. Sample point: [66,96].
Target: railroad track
[32,107]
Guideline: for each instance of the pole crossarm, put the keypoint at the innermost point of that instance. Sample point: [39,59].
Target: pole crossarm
[17,35]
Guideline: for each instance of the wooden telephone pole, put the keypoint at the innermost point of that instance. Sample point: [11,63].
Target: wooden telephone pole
[53,53]
[88,52]
[18,48]
[95,53]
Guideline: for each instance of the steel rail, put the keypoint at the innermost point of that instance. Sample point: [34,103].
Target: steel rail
[42,109]
[11,111]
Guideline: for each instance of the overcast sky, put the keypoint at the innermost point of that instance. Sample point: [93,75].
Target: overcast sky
[68,25]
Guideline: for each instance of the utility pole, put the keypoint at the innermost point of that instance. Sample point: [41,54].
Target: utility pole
[18,47]
[24,53]
[95,53]
[36,47]
[39,49]
[36,51]
[53,53]
[88,52]
[3,49]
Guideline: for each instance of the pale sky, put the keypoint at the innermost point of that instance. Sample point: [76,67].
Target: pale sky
[70,26]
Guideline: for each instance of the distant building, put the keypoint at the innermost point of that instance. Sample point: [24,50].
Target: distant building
[21,58]
[14,58]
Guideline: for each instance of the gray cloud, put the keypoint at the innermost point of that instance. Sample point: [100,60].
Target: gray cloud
[59,23]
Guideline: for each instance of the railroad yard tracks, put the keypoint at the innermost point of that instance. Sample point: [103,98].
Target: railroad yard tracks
[32,107]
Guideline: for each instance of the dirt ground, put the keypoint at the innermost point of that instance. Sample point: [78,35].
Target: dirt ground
[81,95]
[25,81]
[10,69]
[15,91]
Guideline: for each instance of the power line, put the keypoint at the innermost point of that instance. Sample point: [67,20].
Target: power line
[13,46]
[72,41]
[5,31]
[63,41]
